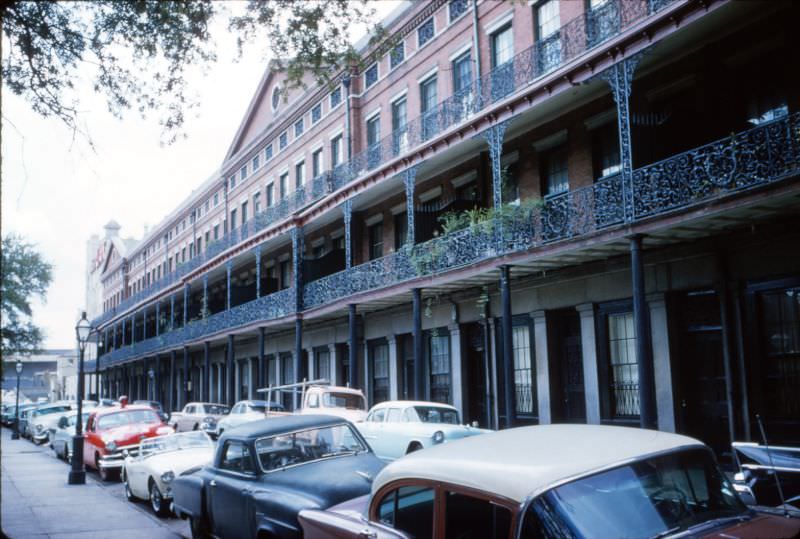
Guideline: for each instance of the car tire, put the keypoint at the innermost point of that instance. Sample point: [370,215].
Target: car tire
[128,492]
[104,473]
[157,502]
[196,427]
[413,446]
[198,528]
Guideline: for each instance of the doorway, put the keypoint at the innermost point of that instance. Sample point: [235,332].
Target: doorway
[568,402]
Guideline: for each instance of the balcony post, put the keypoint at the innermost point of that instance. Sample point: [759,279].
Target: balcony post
[262,379]
[186,377]
[228,269]
[144,323]
[171,312]
[230,381]
[133,328]
[204,309]
[171,393]
[114,336]
[644,357]
[494,137]
[123,332]
[185,304]
[347,212]
[620,77]
[508,345]
[257,253]
[409,181]
[158,317]
[207,371]
[298,246]
[352,345]
[156,378]
[299,366]
[419,380]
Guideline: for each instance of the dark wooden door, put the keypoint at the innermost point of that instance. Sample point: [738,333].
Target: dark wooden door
[702,404]
[566,356]
[477,408]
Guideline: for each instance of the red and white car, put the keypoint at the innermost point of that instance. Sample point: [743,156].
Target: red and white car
[110,431]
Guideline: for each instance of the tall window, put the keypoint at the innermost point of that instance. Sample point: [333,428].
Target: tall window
[400,230]
[287,377]
[268,152]
[376,241]
[316,113]
[399,129]
[425,32]
[300,174]
[427,94]
[216,235]
[623,370]
[439,350]
[283,140]
[336,97]
[256,203]
[373,140]
[233,219]
[371,75]
[379,355]
[554,170]
[322,364]
[243,173]
[316,163]
[286,279]
[397,55]
[270,194]
[457,8]
[605,151]
[299,127]
[231,186]
[284,185]
[336,151]
[502,46]
[462,73]
[548,22]
[524,390]
[780,319]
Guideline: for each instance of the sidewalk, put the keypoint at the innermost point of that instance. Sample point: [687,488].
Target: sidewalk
[35,501]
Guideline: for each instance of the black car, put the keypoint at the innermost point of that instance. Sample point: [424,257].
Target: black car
[265,472]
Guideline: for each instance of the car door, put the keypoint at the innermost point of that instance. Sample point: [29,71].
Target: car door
[187,418]
[371,430]
[229,489]
[395,434]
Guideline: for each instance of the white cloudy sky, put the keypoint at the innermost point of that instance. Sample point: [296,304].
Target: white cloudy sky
[57,191]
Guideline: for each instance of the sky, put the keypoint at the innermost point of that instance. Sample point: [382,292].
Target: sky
[57,191]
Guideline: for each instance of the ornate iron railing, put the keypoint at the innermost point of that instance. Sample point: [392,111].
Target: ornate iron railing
[575,37]
[764,154]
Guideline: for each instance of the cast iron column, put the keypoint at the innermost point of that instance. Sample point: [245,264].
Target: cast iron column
[158,317]
[205,296]
[258,270]
[157,380]
[409,181]
[186,377]
[347,212]
[298,247]
[171,312]
[419,375]
[644,358]
[171,394]
[185,304]
[352,348]
[207,371]
[228,269]
[508,346]
[299,364]
[262,379]
[230,380]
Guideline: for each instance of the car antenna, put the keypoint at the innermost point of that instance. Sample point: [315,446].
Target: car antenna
[772,465]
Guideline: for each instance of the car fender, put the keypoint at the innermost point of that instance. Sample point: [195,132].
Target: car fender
[189,497]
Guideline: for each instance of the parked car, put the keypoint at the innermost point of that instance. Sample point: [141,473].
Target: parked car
[110,431]
[155,405]
[63,432]
[756,480]
[10,415]
[344,402]
[552,481]
[241,413]
[265,472]
[196,414]
[396,428]
[148,474]
[24,418]
[46,417]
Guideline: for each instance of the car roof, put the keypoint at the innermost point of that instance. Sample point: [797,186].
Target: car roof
[272,404]
[113,410]
[337,389]
[519,462]
[283,424]
[406,404]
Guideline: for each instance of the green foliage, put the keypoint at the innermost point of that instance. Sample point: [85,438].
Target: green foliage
[137,53]
[486,217]
[24,275]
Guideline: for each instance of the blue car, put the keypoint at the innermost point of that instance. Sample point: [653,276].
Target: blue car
[265,472]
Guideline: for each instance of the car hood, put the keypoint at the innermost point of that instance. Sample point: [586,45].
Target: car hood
[328,482]
[229,421]
[179,461]
[131,434]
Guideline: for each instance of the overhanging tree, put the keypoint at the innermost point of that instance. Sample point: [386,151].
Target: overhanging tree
[25,275]
[137,52]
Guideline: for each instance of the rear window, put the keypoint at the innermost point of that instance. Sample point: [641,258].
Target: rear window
[343,400]
[216,410]
[125,418]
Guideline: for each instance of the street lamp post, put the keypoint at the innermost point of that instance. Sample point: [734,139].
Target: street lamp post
[151,374]
[77,473]
[15,434]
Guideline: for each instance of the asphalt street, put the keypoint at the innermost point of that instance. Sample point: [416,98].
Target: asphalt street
[36,501]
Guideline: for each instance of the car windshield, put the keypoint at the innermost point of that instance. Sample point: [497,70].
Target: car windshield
[435,414]
[351,401]
[175,442]
[283,450]
[216,409]
[52,410]
[645,499]
[125,418]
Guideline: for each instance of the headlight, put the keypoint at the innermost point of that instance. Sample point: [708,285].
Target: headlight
[167,477]
[39,427]
[111,446]
[438,437]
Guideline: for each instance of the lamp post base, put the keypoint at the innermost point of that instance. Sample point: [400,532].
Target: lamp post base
[15,436]
[77,473]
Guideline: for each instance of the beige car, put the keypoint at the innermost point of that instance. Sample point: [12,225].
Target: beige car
[195,413]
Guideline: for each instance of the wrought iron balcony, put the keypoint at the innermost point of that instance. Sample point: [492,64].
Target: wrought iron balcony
[577,36]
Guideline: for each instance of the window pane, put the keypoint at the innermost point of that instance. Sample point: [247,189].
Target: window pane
[413,512]
[547,19]
[623,370]
[523,373]
[502,46]
[469,517]
[439,346]
[380,373]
